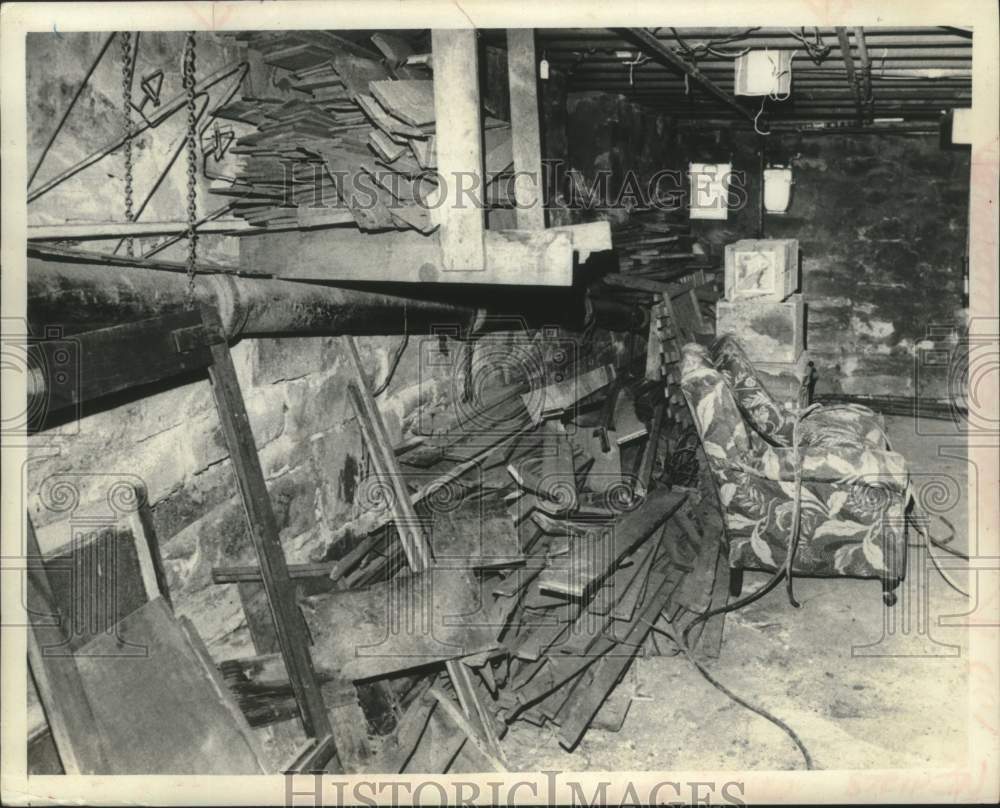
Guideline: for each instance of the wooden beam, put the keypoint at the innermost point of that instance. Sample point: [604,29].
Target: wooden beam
[458,138]
[852,79]
[866,68]
[263,529]
[525,132]
[513,257]
[659,51]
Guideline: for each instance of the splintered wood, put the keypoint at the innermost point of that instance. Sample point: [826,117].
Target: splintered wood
[550,570]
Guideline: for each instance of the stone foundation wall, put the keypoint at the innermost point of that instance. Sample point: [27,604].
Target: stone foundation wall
[309,444]
[881,220]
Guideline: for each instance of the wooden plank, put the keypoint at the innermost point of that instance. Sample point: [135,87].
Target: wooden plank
[513,257]
[458,142]
[673,288]
[591,563]
[558,397]
[410,101]
[409,621]
[164,712]
[587,699]
[57,678]
[475,535]
[309,574]
[263,529]
[645,475]
[522,73]
[396,50]
[147,547]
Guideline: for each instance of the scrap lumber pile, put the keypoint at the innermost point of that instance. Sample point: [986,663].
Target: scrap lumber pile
[559,556]
[344,132]
[656,245]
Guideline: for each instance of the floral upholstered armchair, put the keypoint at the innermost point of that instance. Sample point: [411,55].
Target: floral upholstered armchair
[854,490]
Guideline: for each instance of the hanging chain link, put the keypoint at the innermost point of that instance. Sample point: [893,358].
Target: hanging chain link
[125,41]
[192,161]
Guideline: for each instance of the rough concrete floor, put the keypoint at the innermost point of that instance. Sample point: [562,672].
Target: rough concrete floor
[905,708]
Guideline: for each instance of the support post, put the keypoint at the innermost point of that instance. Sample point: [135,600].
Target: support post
[262,526]
[525,131]
[852,79]
[458,140]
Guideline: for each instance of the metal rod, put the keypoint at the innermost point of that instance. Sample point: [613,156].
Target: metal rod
[168,109]
[661,52]
[69,108]
[86,231]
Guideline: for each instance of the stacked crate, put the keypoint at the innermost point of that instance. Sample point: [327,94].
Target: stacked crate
[762,310]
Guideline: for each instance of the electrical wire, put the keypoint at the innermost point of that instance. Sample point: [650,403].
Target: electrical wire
[682,643]
[702,49]
[817,50]
[941,544]
[776,74]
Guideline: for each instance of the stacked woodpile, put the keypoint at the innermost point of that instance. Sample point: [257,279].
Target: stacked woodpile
[345,133]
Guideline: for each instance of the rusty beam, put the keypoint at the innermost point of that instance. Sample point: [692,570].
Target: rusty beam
[659,51]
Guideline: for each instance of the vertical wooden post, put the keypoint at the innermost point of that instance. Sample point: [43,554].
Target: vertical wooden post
[525,130]
[263,529]
[458,139]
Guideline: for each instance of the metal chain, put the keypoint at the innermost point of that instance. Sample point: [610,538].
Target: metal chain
[192,161]
[125,41]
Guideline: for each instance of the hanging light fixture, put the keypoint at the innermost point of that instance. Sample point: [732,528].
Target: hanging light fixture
[777,188]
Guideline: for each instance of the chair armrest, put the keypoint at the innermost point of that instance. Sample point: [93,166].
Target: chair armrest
[874,467]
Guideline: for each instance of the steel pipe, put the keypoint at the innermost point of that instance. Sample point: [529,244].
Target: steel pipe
[82,297]
[77,297]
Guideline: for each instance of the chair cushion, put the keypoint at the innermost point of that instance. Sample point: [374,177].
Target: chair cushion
[761,410]
[847,527]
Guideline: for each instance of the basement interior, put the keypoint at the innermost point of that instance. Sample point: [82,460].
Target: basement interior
[441,401]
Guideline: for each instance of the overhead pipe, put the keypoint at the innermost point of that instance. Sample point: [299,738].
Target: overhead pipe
[83,297]
[79,297]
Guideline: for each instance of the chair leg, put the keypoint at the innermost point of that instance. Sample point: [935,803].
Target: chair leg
[735,581]
[889,585]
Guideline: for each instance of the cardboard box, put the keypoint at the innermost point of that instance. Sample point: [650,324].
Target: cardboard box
[769,331]
[766,269]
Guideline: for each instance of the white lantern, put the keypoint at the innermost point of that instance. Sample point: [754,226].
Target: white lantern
[777,189]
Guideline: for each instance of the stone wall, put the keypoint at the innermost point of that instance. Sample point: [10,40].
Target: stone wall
[882,227]
[308,441]
[881,222]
